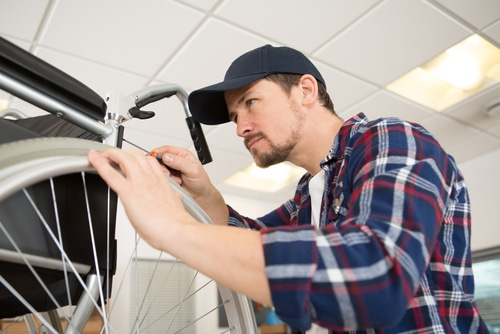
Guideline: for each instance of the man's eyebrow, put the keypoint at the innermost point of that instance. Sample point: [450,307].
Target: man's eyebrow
[242,98]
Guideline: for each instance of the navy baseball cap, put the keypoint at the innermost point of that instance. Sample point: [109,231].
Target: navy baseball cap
[207,105]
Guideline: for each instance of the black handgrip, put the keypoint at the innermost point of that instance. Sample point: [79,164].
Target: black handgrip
[135,112]
[199,141]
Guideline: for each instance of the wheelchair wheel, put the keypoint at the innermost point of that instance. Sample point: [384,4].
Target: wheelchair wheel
[61,263]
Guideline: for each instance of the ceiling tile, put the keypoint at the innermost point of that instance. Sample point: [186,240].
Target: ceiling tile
[495,131]
[326,18]
[139,37]
[479,13]
[29,12]
[192,42]
[278,197]
[224,138]
[472,147]
[100,78]
[148,140]
[383,104]
[391,40]
[447,130]
[255,208]
[4,95]
[202,4]
[343,88]
[472,112]
[206,57]
[494,32]
[225,164]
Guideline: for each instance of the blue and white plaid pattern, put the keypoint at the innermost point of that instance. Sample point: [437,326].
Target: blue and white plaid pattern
[392,254]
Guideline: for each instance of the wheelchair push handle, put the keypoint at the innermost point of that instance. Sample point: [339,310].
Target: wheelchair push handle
[154,93]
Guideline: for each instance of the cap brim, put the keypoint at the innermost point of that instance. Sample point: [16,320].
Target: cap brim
[208,106]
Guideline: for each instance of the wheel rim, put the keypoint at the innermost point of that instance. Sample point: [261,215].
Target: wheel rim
[60,161]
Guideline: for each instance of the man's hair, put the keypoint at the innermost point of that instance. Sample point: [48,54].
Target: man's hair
[287,81]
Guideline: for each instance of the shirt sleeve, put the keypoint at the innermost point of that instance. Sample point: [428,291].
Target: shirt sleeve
[278,217]
[361,270]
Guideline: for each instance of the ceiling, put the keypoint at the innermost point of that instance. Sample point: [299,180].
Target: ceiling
[360,46]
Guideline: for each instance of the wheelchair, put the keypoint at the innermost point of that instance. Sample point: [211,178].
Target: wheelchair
[58,243]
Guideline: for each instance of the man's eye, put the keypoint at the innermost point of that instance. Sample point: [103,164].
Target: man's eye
[250,102]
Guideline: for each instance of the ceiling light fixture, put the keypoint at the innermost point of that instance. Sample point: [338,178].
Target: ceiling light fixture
[454,75]
[271,179]
[493,108]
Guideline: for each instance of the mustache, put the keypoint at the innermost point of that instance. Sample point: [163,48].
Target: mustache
[251,137]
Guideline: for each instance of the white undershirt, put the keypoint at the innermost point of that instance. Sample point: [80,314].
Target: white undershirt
[316,188]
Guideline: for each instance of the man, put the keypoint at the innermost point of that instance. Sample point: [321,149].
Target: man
[376,238]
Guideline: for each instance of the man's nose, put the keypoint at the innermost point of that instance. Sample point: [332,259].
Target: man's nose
[243,126]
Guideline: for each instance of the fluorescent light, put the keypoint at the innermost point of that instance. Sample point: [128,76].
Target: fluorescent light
[458,70]
[269,179]
[452,76]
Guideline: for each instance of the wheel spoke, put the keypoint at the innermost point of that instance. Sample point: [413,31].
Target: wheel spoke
[44,165]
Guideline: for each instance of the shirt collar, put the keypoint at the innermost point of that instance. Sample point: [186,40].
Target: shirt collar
[337,150]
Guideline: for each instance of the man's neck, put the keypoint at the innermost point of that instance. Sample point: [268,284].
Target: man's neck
[316,142]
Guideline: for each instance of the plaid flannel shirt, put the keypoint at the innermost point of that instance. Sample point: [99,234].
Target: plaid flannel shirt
[392,253]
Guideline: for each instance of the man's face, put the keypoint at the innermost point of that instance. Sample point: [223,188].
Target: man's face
[267,118]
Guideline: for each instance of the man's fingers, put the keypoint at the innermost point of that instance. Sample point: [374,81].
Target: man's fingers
[111,175]
[135,169]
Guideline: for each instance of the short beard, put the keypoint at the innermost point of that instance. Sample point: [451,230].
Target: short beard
[277,153]
[275,156]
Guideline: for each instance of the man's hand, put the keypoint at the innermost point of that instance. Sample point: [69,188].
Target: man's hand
[190,174]
[234,257]
[153,207]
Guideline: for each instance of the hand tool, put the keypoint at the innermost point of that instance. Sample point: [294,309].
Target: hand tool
[152,153]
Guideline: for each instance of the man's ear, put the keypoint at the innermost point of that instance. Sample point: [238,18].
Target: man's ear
[309,87]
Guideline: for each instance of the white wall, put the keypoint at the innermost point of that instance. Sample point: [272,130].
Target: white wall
[482,177]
